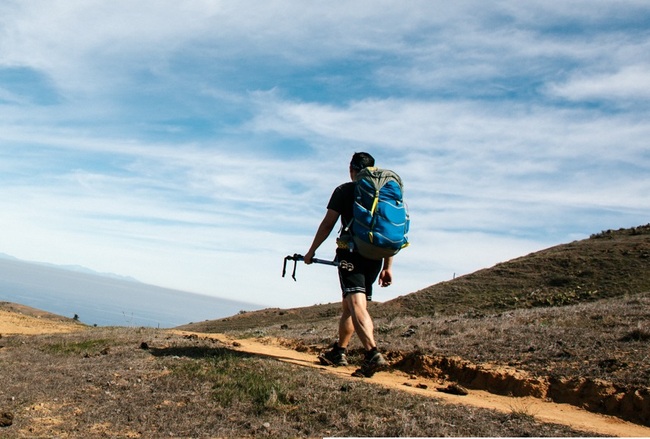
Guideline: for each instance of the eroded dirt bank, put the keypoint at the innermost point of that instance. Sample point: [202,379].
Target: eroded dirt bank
[631,404]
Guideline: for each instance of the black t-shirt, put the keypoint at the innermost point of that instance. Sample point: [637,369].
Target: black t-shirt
[342,200]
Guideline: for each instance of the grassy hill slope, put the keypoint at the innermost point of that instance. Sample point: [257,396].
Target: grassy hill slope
[573,318]
[570,324]
[606,265]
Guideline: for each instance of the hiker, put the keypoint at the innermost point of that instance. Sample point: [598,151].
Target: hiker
[356,274]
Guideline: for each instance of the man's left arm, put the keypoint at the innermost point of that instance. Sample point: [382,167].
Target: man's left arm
[324,230]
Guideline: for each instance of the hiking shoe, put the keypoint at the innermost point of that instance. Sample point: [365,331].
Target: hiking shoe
[373,363]
[334,357]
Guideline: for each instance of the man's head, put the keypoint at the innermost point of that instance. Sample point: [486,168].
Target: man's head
[361,160]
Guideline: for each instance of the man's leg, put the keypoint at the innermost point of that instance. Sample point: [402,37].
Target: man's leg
[356,275]
[336,356]
[360,320]
[346,327]
[374,361]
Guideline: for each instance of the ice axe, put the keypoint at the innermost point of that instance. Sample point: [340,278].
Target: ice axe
[296,257]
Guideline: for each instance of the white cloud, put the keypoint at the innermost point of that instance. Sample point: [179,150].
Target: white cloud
[82,44]
[195,144]
[627,83]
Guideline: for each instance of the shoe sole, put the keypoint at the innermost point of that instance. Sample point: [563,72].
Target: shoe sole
[325,362]
[368,373]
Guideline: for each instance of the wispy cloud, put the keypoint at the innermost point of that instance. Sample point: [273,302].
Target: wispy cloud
[194,144]
[624,84]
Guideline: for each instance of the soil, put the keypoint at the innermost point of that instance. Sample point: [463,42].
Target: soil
[560,336]
[541,409]
[569,324]
[19,319]
[32,322]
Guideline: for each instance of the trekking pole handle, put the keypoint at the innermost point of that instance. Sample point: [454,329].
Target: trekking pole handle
[296,257]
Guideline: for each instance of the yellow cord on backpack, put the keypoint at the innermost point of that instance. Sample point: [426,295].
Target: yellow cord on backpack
[375,202]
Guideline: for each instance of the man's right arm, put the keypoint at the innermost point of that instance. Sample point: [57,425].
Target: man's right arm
[386,274]
[324,230]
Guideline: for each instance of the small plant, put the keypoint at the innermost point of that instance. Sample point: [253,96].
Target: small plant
[636,335]
[521,410]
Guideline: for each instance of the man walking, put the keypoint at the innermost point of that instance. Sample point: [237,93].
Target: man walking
[356,275]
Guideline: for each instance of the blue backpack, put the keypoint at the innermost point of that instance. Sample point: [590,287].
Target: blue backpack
[380,221]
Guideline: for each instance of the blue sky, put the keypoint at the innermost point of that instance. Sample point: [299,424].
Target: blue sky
[194,144]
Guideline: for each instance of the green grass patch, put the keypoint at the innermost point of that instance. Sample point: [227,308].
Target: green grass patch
[241,380]
[68,347]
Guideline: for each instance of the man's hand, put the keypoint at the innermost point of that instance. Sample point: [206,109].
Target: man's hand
[386,277]
[309,256]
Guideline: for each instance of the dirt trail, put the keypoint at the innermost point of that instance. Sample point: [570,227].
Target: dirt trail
[17,323]
[564,414]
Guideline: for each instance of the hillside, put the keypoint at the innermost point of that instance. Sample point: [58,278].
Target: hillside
[522,339]
[151,383]
[33,321]
[606,265]
[570,324]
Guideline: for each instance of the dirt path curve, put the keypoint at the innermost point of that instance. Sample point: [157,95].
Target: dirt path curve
[564,414]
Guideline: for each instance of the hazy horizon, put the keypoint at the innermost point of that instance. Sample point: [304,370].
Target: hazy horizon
[106,299]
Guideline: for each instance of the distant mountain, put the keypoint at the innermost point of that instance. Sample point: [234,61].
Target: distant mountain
[77,268]
[82,269]
[106,300]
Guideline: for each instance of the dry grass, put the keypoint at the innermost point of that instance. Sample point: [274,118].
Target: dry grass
[573,318]
[604,340]
[579,309]
[104,383]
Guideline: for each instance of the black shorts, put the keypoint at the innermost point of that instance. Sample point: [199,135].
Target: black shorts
[356,273]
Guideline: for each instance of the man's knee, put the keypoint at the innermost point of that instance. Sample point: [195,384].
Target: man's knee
[357,305]
[357,298]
